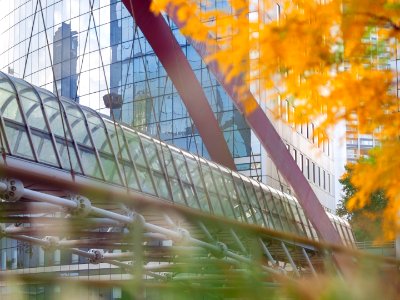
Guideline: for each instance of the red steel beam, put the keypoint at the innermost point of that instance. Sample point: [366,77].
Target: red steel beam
[159,35]
[273,144]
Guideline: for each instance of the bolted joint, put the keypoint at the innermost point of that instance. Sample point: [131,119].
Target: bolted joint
[52,243]
[222,250]
[83,208]
[11,189]
[137,221]
[97,257]
[184,235]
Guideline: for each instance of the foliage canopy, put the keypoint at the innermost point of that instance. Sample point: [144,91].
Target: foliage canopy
[329,58]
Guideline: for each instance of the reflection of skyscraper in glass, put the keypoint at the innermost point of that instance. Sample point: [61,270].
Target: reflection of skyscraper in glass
[115,40]
[65,58]
[141,111]
[121,68]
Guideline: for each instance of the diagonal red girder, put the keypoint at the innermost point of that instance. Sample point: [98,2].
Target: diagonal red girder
[273,144]
[159,35]
[161,39]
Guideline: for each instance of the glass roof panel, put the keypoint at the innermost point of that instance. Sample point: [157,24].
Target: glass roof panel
[33,112]
[123,154]
[18,140]
[194,173]
[23,88]
[89,162]
[151,154]
[77,123]
[116,140]
[167,161]
[44,148]
[9,106]
[110,168]
[52,109]
[135,148]
[97,129]
[130,176]
[68,156]
[5,84]
[144,179]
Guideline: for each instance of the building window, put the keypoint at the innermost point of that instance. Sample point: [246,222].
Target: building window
[328,147]
[329,182]
[286,111]
[312,133]
[278,12]
[301,162]
[313,171]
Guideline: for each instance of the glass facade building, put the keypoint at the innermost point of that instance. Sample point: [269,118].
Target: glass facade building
[96,52]
[111,56]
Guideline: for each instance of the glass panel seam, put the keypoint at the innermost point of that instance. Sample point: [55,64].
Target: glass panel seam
[4,136]
[216,189]
[63,115]
[177,175]
[200,168]
[85,121]
[53,140]
[265,200]
[273,200]
[131,160]
[248,200]
[227,192]
[191,181]
[147,165]
[122,177]
[238,197]
[285,216]
[164,169]
[28,131]
[258,202]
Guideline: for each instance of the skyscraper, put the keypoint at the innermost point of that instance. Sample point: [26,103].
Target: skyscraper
[65,60]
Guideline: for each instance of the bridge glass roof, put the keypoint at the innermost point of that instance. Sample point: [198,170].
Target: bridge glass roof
[35,125]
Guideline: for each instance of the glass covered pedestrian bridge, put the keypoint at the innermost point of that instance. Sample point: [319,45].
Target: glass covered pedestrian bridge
[38,127]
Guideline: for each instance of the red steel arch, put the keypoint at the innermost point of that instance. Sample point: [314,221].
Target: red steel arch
[273,144]
[168,51]
[155,31]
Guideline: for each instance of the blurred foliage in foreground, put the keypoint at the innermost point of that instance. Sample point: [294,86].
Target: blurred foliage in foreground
[197,277]
[369,282]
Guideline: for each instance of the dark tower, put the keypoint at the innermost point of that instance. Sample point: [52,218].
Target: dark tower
[65,58]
